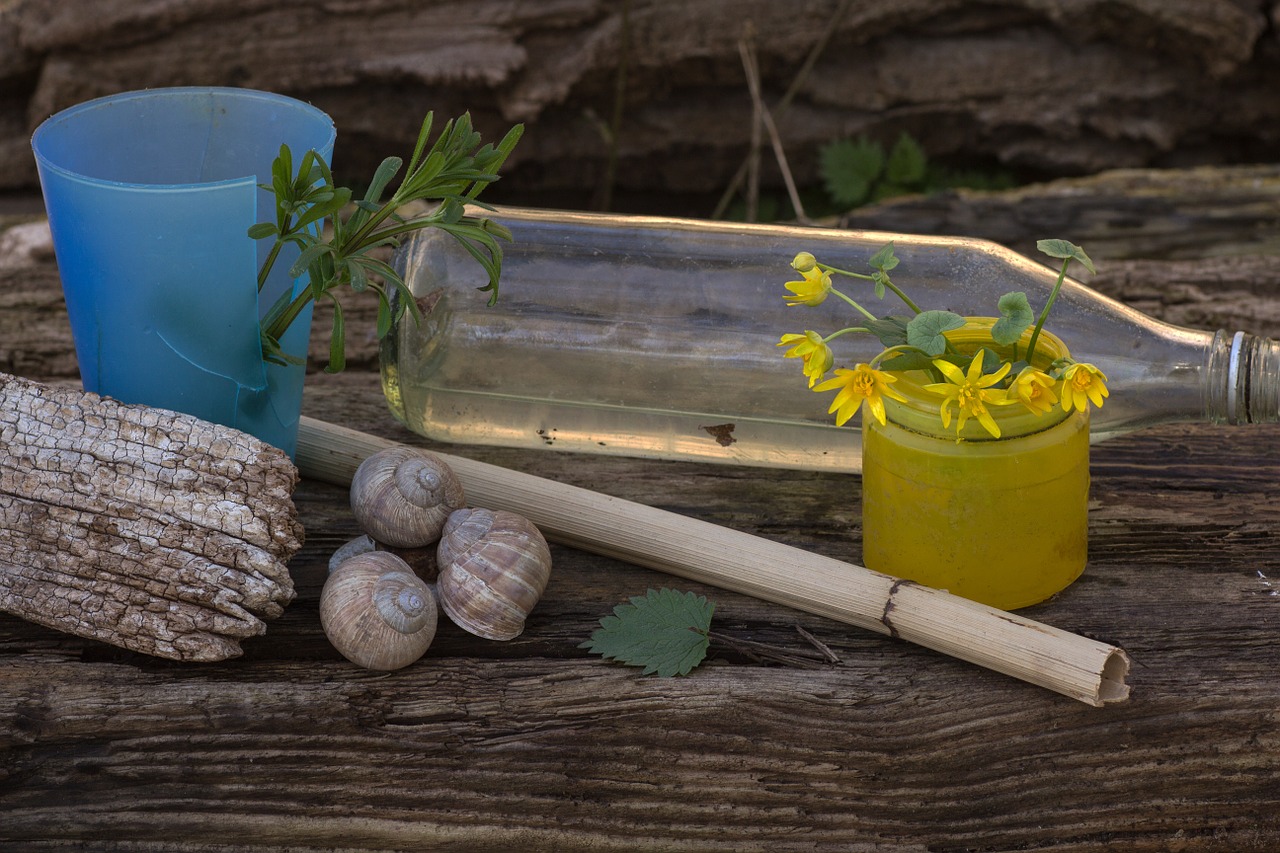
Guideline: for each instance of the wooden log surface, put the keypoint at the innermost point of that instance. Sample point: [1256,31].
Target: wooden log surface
[1052,88]
[536,745]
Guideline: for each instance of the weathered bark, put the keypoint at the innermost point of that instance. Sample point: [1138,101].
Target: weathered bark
[148,529]
[1055,88]
[1150,214]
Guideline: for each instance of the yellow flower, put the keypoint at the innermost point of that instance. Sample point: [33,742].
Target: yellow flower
[1034,388]
[810,346]
[971,394]
[812,290]
[1082,384]
[863,384]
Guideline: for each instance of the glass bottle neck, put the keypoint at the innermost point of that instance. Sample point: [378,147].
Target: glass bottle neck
[1244,379]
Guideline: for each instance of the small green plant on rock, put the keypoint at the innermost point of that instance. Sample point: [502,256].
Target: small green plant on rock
[856,171]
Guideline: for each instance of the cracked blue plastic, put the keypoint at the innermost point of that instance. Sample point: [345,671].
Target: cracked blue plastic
[149,196]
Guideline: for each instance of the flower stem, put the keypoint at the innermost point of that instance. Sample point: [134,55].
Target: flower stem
[284,312]
[830,268]
[1044,315]
[863,311]
[887,351]
[844,331]
[265,271]
[887,283]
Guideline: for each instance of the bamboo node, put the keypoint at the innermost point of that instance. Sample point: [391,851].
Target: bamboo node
[890,604]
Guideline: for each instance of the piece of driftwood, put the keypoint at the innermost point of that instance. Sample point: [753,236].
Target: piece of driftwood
[1084,669]
[148,529]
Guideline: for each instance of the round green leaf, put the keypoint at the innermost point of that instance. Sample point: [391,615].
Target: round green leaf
[1016,317]
[926,328]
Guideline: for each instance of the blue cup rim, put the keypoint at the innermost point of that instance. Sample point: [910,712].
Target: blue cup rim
[230,92]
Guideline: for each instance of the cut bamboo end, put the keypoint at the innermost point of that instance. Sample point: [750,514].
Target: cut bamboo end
[1066,663]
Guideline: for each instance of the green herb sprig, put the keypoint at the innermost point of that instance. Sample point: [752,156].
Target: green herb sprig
[451,173]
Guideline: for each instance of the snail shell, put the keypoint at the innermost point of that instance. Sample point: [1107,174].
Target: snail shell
[376,612]
[362,544]
[493,569]
[401,496]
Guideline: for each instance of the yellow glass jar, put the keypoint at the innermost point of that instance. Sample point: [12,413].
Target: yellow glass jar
[1003,521]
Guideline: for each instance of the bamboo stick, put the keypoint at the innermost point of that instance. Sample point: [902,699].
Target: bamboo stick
[1075,666]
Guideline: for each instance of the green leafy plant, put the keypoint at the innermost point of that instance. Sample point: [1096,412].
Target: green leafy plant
[969,381]
[855,171]
[336,252]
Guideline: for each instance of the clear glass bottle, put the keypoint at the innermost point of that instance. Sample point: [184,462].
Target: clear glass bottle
[655,337]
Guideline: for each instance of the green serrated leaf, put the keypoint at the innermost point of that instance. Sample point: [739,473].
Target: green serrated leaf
[1016,317]
[664,631]
[1065,250]
[924,331]
[892,331]
[848,168]
[906,164]
[884,259]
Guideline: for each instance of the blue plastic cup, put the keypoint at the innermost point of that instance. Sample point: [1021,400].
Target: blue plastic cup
[150,196]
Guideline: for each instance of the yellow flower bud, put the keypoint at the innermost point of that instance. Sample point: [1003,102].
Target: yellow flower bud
[804,262]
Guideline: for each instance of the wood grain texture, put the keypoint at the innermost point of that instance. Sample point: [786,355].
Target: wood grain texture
[535,745]
[1056,88]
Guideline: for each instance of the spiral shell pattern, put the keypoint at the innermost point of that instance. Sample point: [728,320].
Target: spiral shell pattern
[401,496]
[494,566]
[376,612]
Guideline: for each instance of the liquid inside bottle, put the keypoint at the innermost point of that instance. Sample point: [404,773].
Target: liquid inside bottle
[652,337]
